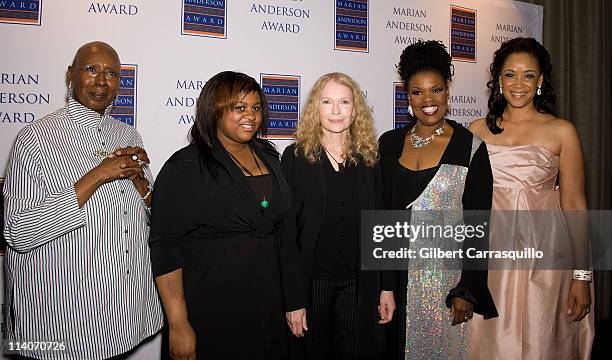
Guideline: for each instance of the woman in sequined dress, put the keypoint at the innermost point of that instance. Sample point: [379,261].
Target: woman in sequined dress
[435,164]
[544,314]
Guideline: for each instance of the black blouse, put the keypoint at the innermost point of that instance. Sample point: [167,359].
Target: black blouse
[336,254]
[262,187]
[413,183]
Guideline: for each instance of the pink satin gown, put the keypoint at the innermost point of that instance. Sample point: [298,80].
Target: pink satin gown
[532,304]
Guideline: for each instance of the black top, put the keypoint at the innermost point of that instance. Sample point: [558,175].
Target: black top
[413,183]
[231,253]
[336,252]
[478,193]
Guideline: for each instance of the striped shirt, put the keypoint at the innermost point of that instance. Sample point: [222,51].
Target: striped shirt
[81,276]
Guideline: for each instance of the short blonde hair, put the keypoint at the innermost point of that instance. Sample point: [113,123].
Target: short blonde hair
[361,139]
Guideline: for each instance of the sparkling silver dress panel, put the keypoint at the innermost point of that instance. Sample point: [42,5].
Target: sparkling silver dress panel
[429,334]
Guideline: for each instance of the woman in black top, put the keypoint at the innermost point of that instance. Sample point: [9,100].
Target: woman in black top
[436,164]
[216,216]
[333,173]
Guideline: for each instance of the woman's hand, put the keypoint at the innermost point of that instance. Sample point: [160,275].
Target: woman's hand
[386,306]
[115,167]
[110,169]
[579,300]
[139,155]
[297,322]
[182,341]
[461,311]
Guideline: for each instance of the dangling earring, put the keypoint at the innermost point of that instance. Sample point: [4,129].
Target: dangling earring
[539,92]
[70,91]
[501,91]
[410,111]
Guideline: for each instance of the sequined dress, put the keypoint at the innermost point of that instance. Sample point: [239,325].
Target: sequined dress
[429,334]
[459,182]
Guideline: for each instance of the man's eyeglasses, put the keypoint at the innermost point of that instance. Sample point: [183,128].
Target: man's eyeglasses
[93,72]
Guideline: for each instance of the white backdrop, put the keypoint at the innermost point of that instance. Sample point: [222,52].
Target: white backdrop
[170,48]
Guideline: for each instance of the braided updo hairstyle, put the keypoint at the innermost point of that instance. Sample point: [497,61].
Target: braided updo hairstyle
[425,56]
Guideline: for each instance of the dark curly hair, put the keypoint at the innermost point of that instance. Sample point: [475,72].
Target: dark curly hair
[425,56]
[544,103]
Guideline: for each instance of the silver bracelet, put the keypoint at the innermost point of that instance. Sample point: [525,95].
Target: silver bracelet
[150,187]
[583,275]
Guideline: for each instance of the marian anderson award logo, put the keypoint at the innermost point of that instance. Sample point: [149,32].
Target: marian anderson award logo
[124,108]
[204,18]
[400,106]
[283,95]
[24,12]
[351,17]
[463,34]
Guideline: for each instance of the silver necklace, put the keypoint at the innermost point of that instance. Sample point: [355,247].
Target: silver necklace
[419,142]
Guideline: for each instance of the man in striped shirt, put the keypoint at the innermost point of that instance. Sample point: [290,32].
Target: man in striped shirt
[77,193]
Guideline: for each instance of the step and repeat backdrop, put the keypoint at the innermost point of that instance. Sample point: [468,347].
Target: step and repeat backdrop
[169,49]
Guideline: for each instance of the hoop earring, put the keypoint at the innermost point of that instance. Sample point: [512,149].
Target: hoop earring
[539,92]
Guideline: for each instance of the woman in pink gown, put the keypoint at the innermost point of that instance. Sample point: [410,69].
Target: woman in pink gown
[543,314]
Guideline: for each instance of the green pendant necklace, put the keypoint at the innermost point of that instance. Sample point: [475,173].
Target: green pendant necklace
[264,203]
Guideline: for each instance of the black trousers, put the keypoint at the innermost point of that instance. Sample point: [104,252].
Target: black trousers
[333,319]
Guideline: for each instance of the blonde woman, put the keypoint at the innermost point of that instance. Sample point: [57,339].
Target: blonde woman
[332,170]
